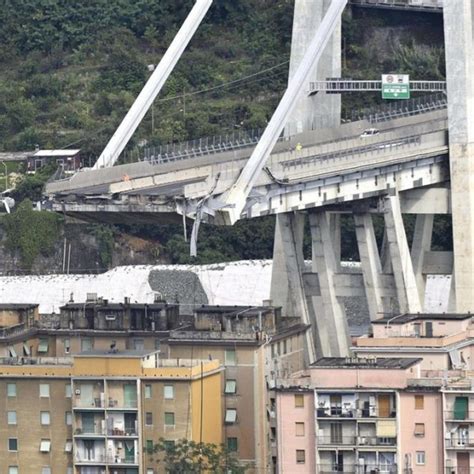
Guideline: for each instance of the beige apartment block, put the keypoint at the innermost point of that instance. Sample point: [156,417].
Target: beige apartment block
[102,413]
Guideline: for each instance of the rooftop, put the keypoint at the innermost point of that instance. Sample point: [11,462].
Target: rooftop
[56,152]
[366,363]
[16,306]
[103,306]
[132,354]
[407,318]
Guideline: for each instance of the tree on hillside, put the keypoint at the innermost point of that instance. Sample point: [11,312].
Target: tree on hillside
[189,457]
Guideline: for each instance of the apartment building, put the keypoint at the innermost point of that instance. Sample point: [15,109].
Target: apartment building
[359,416]
[100,413]
[254,345]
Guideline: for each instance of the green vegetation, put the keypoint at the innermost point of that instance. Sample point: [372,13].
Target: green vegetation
[70,71]
[190,457]
[30,232]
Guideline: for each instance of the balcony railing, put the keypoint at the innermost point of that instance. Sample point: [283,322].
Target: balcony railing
[120,432]
[458,470]
[339,412]
[336,440]
[119,404]
[92,458]
[355,441]
[357,469]
[456,415]
[96,402]
[461,443]
[132,460]
[95,431]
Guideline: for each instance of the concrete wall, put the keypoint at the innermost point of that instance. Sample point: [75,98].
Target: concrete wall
[432,442]
[287,416]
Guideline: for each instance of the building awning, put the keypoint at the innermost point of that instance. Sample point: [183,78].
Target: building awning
[386,429]
[26,349]
[45,445]
[43,346]
[12,352]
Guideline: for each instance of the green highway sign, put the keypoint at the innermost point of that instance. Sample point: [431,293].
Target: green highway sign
[395,86]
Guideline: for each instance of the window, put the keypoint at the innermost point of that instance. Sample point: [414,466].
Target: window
[45,445]
[11,352]
[11,416]
[67,346]
[150,471]
[230,386]
[68,390]
[44,390]
[11,389]
[148,418]
[299,401]
[169,419]
[26,350]
[46,470]
[419,402]
[68,446]
[157,344]
[232,444]
[43,346]
[68,418]
[12,444]
[300,456]
[419,429]
[230,357]
[299,429]
[147,391]
[230,415]
[138,344]
[86,344]
[169,444]
[285,347]
[168,392]
[45,418]
[420,458]
[13,470]
[149,446]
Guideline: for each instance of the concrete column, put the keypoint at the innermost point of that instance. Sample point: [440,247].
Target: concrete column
[405,281]
[332,329]
[421,244]
[459,31]
[335,229]
[321,110]
[371,265]
[287,287]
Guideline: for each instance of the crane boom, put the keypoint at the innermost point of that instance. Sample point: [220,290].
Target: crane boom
[153,86]
[232,203]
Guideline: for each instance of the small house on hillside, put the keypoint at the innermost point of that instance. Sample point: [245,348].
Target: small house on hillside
[68,159]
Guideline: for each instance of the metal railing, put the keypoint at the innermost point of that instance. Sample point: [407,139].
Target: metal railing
[355,441]
[379,147]
[459,415]
[459,443]
[338,412]
[357,469]
[430,5]
[89,431]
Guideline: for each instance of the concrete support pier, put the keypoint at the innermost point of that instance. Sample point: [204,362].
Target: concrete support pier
[320,110]
[459,31]
[403,273]
[371,264]
[333,330]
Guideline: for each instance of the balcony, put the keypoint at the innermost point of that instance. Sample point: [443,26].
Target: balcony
[120,433]
[460,443]
[89,432]
[118,460]
[94,403]
[336,441]
[90,458]
[459,415]
[357,469]
[361,441]
[352,413]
